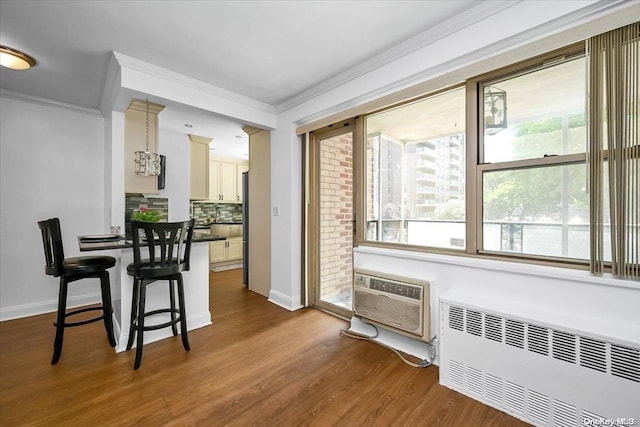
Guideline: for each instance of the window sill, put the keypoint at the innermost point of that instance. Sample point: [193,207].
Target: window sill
[481,262]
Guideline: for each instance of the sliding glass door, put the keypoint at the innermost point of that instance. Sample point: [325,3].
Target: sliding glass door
[330,217]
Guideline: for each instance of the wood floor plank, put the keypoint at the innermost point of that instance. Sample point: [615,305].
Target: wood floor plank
[258,364]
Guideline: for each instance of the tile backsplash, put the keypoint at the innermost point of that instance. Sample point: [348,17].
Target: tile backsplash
[218,212]
[134,202]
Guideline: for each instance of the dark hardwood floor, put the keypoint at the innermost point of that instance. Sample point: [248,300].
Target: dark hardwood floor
[258,364]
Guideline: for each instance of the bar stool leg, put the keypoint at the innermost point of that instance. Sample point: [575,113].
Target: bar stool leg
[172,300]
[135,295]
[140,324]
[183,314]
[62,309]
[107,309]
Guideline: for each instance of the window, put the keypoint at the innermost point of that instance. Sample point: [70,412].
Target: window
[532,162]
[415,172]
[499,166]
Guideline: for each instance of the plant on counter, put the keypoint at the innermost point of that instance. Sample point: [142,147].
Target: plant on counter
[145,215]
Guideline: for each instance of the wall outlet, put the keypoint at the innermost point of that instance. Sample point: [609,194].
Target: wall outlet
[276,210]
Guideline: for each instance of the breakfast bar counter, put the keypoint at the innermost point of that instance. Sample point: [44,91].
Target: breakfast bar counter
[196,285]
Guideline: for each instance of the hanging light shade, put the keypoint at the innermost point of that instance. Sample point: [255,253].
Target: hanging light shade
[147,163]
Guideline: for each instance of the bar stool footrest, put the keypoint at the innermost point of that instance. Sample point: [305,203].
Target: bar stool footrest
[83,322]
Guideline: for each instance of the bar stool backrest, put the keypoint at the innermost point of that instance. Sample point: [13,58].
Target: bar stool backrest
[52,243]
[168,245]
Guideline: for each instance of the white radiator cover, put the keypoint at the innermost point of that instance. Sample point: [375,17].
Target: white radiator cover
[543,374]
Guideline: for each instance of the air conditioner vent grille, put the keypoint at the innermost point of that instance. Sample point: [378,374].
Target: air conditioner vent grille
[401,289]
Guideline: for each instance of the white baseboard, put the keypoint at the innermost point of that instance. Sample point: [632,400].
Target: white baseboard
[284,301]
[50,306]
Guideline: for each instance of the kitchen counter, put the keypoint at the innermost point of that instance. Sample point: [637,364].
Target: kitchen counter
[123,243]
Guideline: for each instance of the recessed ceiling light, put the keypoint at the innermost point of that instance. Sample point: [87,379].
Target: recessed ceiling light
[14,59]
[187,125]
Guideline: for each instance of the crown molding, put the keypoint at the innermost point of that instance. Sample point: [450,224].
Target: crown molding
[49,103]
[446,28]
[250,130]
[200,139]
[565,24]
[143,105]
[129,62]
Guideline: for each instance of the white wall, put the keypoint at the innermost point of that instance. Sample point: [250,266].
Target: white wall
[51,165]
[176,147]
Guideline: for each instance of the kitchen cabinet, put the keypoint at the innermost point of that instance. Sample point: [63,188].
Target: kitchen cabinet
[224,181]
[135,139]
[225,250]
[199,167]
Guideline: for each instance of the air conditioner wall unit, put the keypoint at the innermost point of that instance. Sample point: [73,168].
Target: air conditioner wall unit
[398,302]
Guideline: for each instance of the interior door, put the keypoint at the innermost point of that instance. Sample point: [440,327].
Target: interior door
[330,218]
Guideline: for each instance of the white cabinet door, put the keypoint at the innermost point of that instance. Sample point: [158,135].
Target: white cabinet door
[199,170]
[227,182]
[241,168]
[218,251]
[214,177]
[234,248]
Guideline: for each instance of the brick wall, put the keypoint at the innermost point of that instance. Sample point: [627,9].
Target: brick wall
[336,215]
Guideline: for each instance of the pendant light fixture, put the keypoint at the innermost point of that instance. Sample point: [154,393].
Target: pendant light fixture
[147,163]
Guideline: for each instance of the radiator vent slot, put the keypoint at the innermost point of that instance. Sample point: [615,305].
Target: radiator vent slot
[399,302]
[474,323]
[494,388]
[539,407]
[493,328]
[564,346]
[456,318]
[625,362]
[564,415]
[514,333]
[515,397]
[593,354]
[538,339]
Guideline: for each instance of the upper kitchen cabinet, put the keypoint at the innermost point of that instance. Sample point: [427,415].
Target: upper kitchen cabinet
[199,167]
[223,181]
[140,123]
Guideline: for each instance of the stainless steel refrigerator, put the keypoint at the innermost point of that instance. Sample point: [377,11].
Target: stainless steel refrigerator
[245,228]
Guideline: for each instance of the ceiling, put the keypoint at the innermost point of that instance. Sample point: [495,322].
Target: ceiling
[270,51]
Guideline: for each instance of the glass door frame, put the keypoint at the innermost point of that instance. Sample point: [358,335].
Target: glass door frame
[311,210]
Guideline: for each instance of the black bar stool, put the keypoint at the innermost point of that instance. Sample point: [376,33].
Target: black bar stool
[169,248]
[69,270]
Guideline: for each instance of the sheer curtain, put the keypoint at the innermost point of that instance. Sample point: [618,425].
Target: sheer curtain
[614,151]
